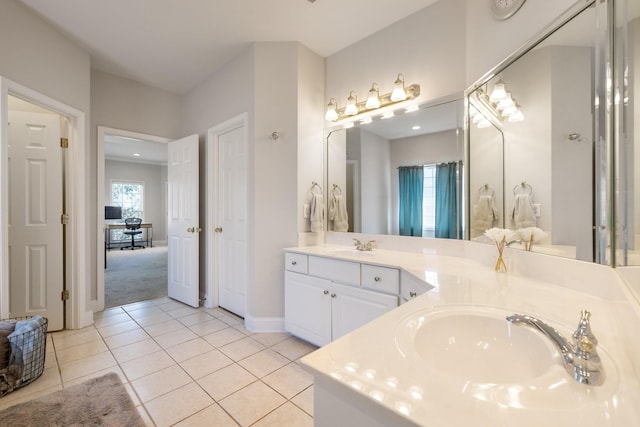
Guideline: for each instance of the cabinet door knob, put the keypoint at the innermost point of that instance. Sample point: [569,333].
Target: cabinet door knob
[326,292]
[412,294]
[333,295]
[377,279]
[294,262]
[218,229]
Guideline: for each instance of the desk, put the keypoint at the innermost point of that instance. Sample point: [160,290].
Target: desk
[146,226]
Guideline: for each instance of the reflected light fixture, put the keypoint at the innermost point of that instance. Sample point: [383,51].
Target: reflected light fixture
[398,94]
[352,104]
[500,104]
[332,113]
[373,100]
[499,92]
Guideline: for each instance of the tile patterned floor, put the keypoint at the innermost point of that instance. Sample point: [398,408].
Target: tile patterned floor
[184,366]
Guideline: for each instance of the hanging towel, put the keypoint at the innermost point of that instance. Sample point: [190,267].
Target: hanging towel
[486,212]
[523,215]
[338,212]
[316,212]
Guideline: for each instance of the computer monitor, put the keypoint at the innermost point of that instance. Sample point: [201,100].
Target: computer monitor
[113,212]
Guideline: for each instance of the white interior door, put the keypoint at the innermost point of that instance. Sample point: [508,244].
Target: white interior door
[231,234]
[35,209]
[184,224]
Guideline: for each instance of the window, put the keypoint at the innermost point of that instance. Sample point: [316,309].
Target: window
[130,196]
[429,202]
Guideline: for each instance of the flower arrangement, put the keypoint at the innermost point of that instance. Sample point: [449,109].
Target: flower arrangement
[530,234]
[501,236]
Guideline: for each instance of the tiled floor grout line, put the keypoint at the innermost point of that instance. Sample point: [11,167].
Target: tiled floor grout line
[195,380]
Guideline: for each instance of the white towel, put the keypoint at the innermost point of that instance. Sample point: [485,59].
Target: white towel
[316,212]
[486,212]
[338,213]
[523,215]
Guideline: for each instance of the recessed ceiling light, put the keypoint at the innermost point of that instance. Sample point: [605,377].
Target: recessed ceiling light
[416,127]
[136,154]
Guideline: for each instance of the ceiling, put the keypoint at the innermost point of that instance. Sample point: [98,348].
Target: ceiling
[175,45]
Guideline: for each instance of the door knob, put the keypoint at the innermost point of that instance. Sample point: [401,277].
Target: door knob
[194,230]
[218,230]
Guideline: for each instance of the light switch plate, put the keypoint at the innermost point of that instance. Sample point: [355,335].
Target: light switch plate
[307,211]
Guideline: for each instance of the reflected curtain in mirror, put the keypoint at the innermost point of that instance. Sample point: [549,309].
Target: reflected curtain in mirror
[448,222]
[411,180]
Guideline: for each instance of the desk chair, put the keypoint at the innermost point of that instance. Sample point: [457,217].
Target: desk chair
[132,229]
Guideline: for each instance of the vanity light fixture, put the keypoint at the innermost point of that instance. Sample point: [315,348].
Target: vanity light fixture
[352,104]
[398,94]
[373,102]
[500,104]
[332,111]
[499,92]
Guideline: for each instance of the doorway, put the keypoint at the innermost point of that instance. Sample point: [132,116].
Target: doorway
[227,208]
[78,306]
[132,174]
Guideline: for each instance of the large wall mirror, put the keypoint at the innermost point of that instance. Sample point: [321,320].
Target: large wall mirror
[532,160]
[421,146]
[627,86]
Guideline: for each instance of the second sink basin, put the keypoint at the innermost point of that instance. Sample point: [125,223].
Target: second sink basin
[475,345]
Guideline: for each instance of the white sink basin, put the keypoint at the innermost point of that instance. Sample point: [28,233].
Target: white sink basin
[475,345]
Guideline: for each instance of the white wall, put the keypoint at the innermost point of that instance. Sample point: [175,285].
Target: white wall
[427,47]
[155,190]
[375,183]
[489,41]
[275,83]
[37,56]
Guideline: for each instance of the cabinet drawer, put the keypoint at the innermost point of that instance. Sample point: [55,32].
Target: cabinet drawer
[335,270]
[411,287]
[382,279]
[295,262]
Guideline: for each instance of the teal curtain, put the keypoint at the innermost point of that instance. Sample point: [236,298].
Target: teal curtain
[411,189]
[448,221]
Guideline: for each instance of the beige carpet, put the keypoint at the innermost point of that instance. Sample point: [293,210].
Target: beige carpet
[133,276]
[100,401]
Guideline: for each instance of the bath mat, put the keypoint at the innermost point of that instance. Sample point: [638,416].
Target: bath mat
[101,401]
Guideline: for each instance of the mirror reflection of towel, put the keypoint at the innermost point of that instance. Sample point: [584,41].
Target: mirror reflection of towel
[338,213]
[523,215]
[486,212]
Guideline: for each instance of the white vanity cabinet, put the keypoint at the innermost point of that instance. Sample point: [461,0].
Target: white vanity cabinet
[329,300]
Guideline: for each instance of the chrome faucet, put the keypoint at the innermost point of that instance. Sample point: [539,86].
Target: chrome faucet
[362,246]
[579,358]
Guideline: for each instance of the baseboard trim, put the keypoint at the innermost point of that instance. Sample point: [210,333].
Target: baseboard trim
[264,324]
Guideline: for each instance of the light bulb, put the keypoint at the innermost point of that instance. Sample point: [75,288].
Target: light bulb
[373,100]
[398,93]
[499,92]
[332,114]
[507,102]
[517,116]
[352,108]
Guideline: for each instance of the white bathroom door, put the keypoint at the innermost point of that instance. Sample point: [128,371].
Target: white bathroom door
[183,223]
[35,227]
[231,234]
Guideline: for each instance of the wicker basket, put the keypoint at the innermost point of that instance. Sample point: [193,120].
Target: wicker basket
[28,350]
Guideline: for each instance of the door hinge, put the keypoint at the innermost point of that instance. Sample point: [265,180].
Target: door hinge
[65,295]
[64,142]
[64,219]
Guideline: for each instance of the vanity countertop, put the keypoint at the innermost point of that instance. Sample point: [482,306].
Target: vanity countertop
[369,364]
